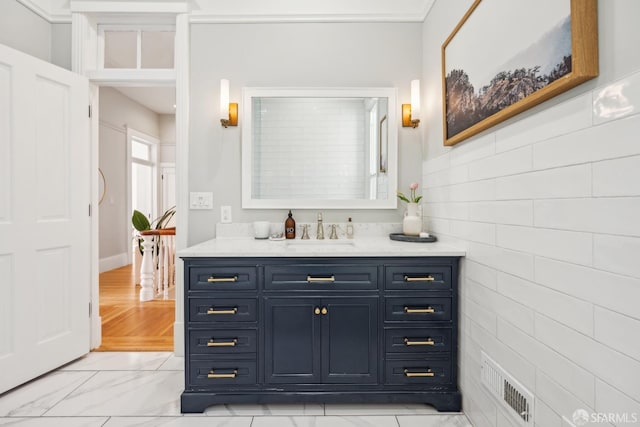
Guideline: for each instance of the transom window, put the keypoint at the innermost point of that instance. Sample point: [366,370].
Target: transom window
[149,47]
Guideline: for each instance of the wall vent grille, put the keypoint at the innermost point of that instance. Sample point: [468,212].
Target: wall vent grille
[512,396]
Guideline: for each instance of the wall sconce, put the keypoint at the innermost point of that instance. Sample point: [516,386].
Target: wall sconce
[228,111]
[411,112]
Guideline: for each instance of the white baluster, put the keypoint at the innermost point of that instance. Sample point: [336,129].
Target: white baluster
[172,260]
[165,267]
[147,269]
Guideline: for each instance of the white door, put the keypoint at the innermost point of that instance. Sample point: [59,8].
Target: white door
[44,217]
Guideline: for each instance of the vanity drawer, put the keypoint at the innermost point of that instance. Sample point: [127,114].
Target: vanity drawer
[223,309]
[321,277]
[417,340]
[417,371]
[427,278]
[417,309]
[222,278]
[213,373]
[222,341]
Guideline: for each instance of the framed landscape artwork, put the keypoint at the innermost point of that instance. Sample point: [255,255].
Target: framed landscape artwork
[505,57]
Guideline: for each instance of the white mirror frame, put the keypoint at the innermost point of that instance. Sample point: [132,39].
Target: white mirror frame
[247,147]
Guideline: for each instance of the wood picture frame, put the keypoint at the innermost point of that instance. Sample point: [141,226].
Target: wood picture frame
[502,93]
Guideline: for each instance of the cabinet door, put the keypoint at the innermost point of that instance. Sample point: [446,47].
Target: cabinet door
[292,343]
[350,340]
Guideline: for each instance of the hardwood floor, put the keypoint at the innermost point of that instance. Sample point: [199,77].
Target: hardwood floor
[127,323]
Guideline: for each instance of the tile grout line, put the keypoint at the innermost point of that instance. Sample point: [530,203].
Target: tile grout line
[69,394]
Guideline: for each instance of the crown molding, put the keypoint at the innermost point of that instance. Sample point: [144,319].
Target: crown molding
[197,17]
[427,9]
[53,17]
[61,16]
[106,6]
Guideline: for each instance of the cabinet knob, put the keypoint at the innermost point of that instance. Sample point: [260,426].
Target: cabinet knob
[324,310]
[317,310]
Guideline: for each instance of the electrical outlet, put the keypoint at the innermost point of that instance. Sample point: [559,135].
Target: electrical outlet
[200,200]
[225,214]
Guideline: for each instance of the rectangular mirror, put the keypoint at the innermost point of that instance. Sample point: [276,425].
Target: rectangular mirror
[319,148]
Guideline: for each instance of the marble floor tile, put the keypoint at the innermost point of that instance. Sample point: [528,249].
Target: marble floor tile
[173,363]
[119,361]
[262,410]
[433,421]
[38,396]
[328,421]
[54,422]
[379,409]
[125,393]
[178,422]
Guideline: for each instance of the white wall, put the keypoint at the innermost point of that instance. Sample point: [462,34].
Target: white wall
[310,54]
[116,113]
[547,207]
[167,123]
[23,30]
[61,45]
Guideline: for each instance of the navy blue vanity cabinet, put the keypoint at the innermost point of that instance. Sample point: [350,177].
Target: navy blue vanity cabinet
[321,340]
[332,330]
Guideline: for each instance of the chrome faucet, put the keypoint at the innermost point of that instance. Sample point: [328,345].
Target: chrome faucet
[334,234]
[320,230]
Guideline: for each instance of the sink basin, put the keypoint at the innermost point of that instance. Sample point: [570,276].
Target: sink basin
[319,243]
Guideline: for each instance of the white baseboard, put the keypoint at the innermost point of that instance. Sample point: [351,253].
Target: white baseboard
[112,262]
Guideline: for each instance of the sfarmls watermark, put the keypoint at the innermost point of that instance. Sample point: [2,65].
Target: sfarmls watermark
[582,417]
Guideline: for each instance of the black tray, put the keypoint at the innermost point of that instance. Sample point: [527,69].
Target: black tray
[417,239]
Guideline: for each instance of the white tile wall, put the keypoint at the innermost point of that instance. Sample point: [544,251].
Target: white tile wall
[548,209]
[564,308]
[554,294]
[336,126]
[558,244]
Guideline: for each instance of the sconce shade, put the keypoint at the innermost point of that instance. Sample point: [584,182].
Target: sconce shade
[224,98]
[415,98]
[411,112]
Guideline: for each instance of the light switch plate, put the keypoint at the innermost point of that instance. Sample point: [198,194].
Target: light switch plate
[225,214]
[200,200]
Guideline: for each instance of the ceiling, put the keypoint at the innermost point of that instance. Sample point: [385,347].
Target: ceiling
[160,100]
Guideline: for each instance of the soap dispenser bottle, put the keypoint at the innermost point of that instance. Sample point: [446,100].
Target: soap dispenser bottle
[290,226]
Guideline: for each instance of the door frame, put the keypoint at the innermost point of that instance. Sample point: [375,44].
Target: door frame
[84,37]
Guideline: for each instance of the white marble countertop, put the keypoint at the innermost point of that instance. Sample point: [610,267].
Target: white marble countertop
[363,247]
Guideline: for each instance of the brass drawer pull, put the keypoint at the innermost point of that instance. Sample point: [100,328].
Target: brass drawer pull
[419,279]
[419,310]
[222,279]
[213,343]
[429,341]
[330,279]
[212,310]
[418,374]
[213,375]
